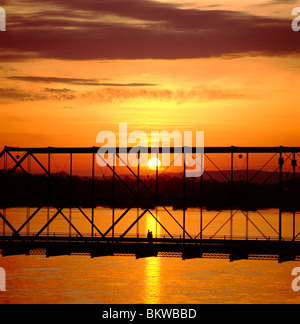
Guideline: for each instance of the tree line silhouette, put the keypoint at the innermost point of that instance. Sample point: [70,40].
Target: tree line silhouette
[211,192]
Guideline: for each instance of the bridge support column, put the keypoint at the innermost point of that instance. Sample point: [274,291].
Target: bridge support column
[145,251]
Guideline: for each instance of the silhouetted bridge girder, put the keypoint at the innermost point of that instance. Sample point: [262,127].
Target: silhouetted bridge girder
[94,149]
[142,248]
[16,239]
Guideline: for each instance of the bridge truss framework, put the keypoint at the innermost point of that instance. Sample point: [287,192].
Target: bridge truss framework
[283,160]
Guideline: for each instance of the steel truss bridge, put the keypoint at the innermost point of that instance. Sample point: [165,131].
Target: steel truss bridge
[243,178]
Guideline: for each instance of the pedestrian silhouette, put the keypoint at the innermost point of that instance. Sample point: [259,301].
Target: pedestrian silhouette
[150,236]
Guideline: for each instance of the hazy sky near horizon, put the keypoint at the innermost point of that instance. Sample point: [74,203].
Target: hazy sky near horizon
[70,69]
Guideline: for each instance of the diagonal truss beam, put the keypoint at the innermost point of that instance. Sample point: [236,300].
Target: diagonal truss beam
[8,223]
[29,219]
[260,170]
[224,175]
[59,211]
[18,164]
[120,218]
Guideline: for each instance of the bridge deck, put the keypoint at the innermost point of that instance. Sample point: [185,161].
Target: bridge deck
[143,247]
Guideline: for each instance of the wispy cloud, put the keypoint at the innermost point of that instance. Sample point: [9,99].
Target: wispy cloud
[76,81]
[17,95]
[109,95]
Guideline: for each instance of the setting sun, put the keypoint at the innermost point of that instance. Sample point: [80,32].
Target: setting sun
[153,163]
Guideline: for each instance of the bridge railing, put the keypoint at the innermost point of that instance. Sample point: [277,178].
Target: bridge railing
[52,236]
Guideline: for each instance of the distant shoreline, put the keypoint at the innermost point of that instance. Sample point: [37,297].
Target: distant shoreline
[20,190]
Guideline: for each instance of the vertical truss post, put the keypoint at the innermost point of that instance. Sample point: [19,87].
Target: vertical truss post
[156,191]
[49,191]
[231,196]
[113,195]
[138,194]
[247,195]
[4,194]
[280,162]
[4,215]
[184,193]
[29,194]
[201,206]
[294,164]
[93,194]
[71,193]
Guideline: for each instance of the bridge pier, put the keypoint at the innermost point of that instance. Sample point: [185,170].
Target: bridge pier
[187,255]
[238,255]
[11,251]
[145,251]
[287,253]
[57,250]
[100,251]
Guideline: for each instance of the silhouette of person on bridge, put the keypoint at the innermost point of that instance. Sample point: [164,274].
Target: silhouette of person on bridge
[149,236]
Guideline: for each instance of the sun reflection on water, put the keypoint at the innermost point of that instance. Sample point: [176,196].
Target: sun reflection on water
[152,281]
[152,267]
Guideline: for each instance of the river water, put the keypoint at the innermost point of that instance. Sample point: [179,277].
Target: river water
[120,279]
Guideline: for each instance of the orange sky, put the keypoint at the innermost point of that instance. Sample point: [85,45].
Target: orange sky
[242,97]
